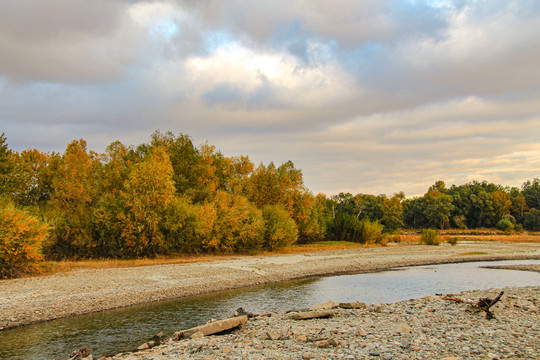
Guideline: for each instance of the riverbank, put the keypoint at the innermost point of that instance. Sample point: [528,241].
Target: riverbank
[426,328]
[29,300]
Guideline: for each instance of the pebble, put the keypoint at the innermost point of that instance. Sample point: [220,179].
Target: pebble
[448,332]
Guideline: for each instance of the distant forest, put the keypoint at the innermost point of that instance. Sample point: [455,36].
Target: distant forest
[169,196]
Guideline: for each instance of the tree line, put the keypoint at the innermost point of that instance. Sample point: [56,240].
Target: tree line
[170,196]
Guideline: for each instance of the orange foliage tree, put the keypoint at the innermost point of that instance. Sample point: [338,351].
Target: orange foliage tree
[21,239]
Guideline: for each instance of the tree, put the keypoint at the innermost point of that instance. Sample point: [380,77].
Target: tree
[229,223]
[148,194]
[75,192]
[438,208]
[531,192]
[21,240]
[279,228]
[32,177]
[6,167]
[531,220]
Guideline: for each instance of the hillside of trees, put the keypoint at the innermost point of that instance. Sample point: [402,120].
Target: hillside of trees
[169,196]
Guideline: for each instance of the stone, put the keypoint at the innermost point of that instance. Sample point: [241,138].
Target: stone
[328,343]
[326,306]
[143,347]
[305,315]
[402,329]
[307,356]
[404,344]
[213,327]
[353,305]
[301,338]
[361,332]
[271,335]
[197,335]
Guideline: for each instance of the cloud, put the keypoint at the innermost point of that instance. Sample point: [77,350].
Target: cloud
[372,96]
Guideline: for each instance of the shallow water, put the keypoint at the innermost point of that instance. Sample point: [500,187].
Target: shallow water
[114,331]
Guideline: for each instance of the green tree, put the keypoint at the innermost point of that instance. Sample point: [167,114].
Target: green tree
[531,192]
[279,228]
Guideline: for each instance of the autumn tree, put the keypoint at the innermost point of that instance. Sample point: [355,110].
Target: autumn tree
[75,192]
[229,223]
[147,195]
[21,240]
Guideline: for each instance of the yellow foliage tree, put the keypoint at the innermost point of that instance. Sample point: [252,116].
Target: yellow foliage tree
[149,192]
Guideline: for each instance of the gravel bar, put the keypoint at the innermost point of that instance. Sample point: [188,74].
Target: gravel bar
[29,300]
[426,328]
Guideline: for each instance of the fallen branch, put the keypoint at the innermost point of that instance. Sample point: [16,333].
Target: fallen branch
[484,304]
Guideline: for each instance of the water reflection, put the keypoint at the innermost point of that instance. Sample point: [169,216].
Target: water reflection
[118,330]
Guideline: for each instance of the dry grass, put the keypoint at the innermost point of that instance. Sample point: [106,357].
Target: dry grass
[66,266]
[59,267]
[477,235]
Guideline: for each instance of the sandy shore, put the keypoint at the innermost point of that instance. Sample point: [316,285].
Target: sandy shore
[25,301]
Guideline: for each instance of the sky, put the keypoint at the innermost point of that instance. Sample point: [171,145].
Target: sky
[372,96]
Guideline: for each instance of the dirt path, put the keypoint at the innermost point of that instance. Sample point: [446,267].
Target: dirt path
[24,301]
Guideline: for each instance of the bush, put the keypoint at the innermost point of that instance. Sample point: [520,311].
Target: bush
[531,220]
[430,237]
[452,240]
[279,228]
[229,223]
[21,239]
[505,225]
[371,231]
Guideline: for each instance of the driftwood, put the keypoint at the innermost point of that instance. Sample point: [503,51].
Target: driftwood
[212,327]
[484,304]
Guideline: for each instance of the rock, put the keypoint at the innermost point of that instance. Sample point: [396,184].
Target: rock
[197,335]
[402,329]
[328,343]
[404,344]
[143,347]
[326,306]
[353,305]
[361,332]
[301,338]
[213,327]
[307,356]
[271,335]
[83,353]
[240,311]
[311,315]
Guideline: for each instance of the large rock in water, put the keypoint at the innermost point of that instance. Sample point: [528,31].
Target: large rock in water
[212,328]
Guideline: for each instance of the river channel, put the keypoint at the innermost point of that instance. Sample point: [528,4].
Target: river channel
[119,330]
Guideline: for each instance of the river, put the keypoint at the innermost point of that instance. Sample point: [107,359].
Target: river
[118,330]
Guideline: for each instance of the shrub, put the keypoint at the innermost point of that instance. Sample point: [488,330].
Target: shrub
[229,223]
[505,225]
[279,228]
[21,239]
[452,240]
[531,220]
[430,237]
[371,231]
